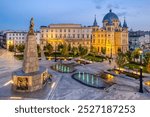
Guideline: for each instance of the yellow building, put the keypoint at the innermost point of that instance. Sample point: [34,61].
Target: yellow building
[73,34]
[111,37]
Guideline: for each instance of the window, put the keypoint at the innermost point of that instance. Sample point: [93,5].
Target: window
[93,40]
[87,36]
[64,35]
[68,35]
[73,35]
[82,35]
[78,35]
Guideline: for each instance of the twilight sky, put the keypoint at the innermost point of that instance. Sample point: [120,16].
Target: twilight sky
[16,14]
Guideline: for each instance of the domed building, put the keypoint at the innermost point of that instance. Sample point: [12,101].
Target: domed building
[111,37]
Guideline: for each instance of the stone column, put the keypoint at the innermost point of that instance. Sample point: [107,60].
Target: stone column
[30,63]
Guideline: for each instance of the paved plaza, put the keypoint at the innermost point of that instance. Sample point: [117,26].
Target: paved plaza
[63,87]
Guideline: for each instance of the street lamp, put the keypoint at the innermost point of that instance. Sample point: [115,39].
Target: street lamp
[55,53]
[141,52]
[141,70]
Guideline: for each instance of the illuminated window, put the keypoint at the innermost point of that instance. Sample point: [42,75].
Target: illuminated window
[93,40]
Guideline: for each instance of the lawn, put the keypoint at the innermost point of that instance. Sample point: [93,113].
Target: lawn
[134,66]
[90,57]
[19,57]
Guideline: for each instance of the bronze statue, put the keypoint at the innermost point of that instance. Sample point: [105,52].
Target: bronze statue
[31,29]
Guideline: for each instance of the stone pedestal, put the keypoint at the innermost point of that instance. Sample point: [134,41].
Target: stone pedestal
[29,82]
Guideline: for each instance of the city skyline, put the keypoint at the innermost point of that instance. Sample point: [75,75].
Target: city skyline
[16,14]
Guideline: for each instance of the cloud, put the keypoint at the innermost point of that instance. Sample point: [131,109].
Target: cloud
[98,7]
[122,14]
[109,4]
[113,6]
[98,3]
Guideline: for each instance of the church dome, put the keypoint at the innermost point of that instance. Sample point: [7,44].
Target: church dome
[110,17]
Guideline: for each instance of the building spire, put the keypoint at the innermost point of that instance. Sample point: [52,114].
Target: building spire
[120,25]
[95,22]
[125,24]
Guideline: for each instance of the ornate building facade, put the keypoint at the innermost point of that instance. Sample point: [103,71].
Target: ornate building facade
[73,34]
[113,36]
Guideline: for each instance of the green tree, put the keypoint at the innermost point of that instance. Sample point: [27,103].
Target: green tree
[65,51]
[146,58]
[121,59]
[69,47]
[60,47]
[136,54]
[48,48]
[20,48]
[103,50]
[75,51]
[11,48]
[94,51]
[82,50]
[148,67]
[128,55]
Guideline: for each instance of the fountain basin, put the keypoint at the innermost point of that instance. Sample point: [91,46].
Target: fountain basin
[29,82]
[90,80]
[63,68]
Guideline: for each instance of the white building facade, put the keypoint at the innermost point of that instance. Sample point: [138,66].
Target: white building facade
[18,38]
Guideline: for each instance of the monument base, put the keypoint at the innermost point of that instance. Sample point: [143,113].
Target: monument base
[29,82]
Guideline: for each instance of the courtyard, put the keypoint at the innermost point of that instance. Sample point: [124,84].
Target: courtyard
[64,87]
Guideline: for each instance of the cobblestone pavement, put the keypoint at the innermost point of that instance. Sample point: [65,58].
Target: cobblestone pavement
[64,87]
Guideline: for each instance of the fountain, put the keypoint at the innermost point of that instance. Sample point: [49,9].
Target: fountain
[63,68]
[90,80]
[31,76]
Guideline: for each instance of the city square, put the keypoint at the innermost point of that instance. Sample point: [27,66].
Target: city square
[63,87]
[71,61]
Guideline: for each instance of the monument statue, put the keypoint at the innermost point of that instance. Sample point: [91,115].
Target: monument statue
[31,28]
[31,76]
[31,63]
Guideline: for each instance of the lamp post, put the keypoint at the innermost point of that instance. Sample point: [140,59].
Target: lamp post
[55,53]
[141,70]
